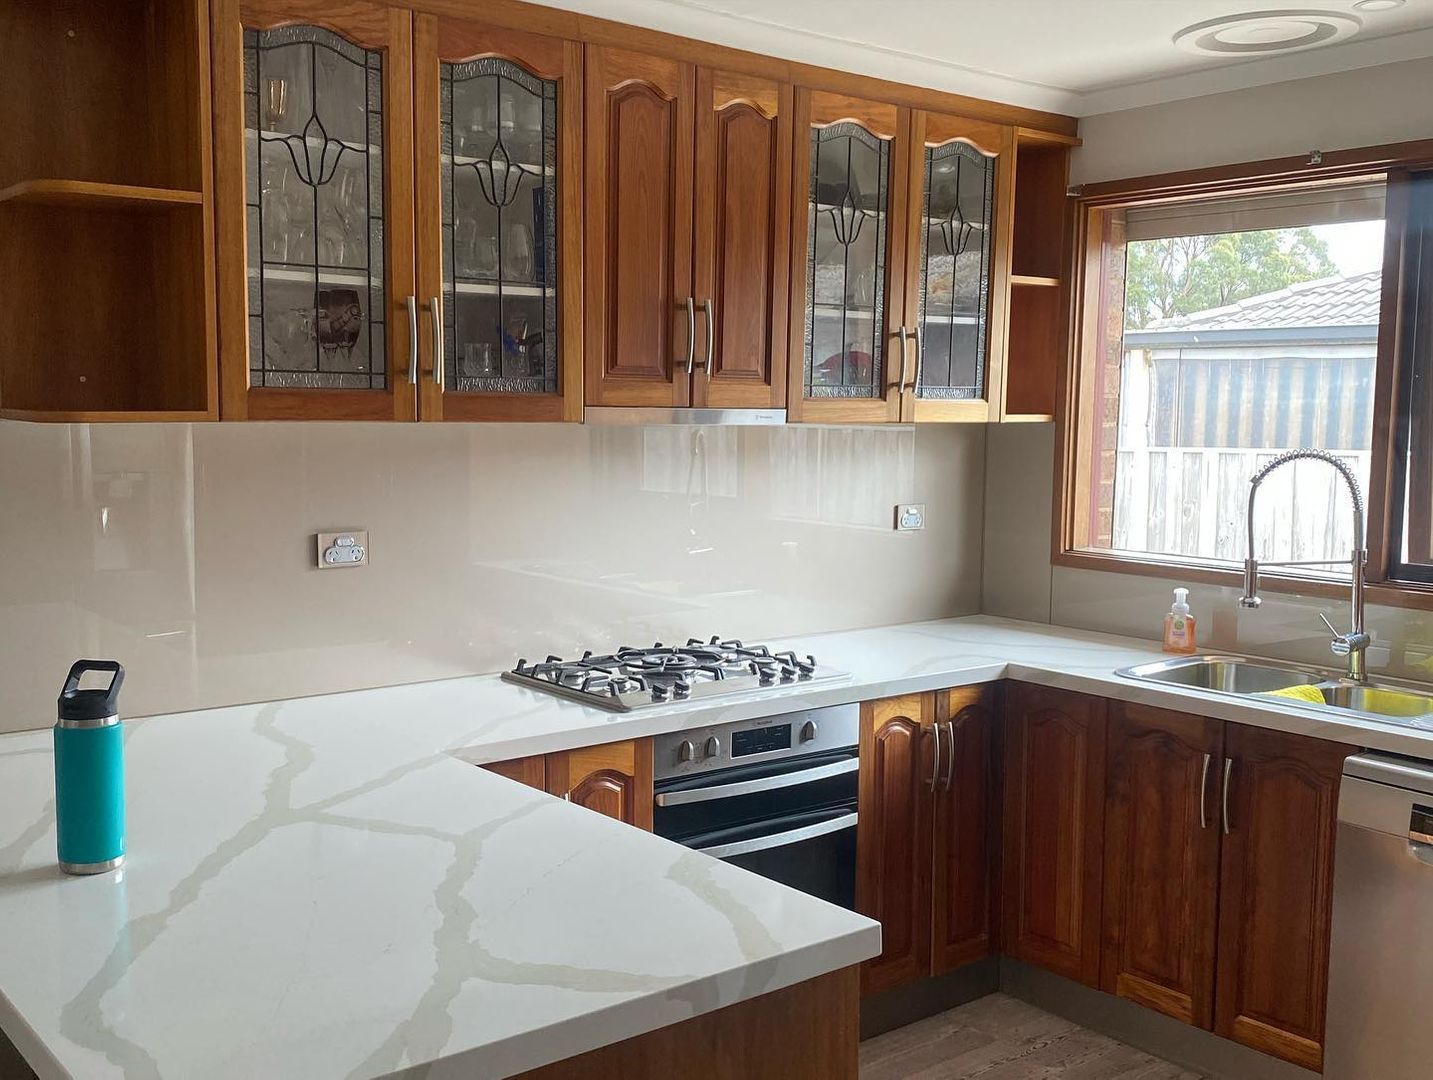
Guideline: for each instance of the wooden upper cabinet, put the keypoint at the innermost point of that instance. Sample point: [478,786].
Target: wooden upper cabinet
[1162,860]
[893,831]
[743,237]
[963,842]
[498,117]
[314,187]
[954,292]
[1053,822]
[615,779]
[641,316]
[848,357]
[1276,891]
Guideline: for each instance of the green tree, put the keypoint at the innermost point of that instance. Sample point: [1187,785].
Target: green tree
[1183,274]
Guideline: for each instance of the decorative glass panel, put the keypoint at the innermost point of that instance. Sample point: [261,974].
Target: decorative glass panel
[313,127]
[846,270]
[499,228]
[955,271]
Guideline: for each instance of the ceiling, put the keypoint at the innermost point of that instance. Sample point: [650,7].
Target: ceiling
[1073,56]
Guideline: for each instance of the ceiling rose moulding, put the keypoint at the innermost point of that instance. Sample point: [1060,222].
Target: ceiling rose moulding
[1265,33]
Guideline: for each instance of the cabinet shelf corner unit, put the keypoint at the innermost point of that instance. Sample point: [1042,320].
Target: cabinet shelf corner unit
[398,211]
[106,216]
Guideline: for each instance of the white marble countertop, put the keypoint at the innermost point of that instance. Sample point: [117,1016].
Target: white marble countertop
[326,887]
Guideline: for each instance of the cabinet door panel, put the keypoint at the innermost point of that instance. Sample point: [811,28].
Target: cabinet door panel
[640,124]
[1054,821]
[850,175]
[743,228]
[615,779]
[499,180]
[1276,888]
[315,189]
[962,916]
[531,771]
[1162,860]
[893,837]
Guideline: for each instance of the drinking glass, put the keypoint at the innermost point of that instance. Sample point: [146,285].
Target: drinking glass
[276,102]
[517,253]
[479,361]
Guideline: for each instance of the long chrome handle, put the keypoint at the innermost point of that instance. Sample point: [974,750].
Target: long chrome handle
[950,758]
[935,765]
[751,787]
[782,839]
[1224,799]
[691,334]
[413,339]
[435,309]
[1203,793]
[905,360]
[711,333]
[916,374]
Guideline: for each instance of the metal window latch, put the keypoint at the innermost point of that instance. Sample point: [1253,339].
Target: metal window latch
[1316,157]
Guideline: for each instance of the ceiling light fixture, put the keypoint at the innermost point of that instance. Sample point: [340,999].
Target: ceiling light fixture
[1260,33]
[1378,5]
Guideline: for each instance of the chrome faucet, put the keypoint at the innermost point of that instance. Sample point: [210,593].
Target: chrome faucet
[1353,644]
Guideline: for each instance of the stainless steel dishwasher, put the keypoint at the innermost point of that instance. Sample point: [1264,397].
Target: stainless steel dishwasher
[1381,958]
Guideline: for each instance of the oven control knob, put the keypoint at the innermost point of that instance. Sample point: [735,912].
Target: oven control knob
[686,751]
[808,731]
[713,747]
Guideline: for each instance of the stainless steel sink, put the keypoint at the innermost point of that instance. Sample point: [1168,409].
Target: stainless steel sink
[1239,676]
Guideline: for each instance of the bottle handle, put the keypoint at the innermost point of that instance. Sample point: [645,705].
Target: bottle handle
[80,667]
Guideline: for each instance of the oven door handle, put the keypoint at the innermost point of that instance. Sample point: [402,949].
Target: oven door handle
[752,787]
[782,839]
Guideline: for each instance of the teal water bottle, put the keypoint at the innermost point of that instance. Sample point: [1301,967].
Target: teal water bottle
[89,773]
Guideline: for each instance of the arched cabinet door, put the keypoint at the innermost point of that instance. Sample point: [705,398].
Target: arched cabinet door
[499,188]
[950,281]
[615,780]
[313,133]
[849,360]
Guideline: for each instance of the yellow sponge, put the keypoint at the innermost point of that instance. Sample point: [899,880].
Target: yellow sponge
[1303,692]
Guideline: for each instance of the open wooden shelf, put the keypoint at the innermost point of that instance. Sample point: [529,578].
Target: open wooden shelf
[1034,280]
[91,193]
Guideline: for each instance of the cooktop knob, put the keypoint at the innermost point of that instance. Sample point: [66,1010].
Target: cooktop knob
[713,747]
[808,731]
[686,751]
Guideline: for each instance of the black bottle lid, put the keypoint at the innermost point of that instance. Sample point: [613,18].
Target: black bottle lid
[77,704]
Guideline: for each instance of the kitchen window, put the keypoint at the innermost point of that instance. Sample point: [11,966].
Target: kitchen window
[1222,323]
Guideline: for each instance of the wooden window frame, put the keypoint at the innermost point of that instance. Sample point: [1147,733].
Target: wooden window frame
[1075,427]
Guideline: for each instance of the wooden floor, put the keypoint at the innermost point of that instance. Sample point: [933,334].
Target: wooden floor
[999,1038]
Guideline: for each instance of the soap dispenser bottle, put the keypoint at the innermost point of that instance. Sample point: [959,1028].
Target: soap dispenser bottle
[1179,625]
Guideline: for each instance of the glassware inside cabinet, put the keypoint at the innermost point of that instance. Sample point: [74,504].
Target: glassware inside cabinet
[846,275]
[313,126]
[954,271]
[500,259]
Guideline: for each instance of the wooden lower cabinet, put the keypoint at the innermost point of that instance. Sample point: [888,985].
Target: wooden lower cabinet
[1161,885]
[613,779]
[1276,891]
[923,836]
[1053,830]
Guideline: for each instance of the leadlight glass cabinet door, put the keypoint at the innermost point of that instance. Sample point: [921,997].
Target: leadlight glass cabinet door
[850,179]
[499,221]
[950,270]
[313,130]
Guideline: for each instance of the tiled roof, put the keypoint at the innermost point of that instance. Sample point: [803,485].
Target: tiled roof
[1332,301]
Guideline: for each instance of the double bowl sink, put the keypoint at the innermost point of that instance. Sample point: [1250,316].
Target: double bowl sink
[1239,676]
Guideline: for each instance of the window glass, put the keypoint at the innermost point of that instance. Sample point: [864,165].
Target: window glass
[1239,342]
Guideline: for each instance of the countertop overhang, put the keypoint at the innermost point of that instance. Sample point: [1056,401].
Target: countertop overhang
[326,886]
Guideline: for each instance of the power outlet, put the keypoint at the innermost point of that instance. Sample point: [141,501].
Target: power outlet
[342,549]
[910,517]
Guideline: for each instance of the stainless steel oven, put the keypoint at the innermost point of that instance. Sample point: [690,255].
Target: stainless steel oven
[775,795]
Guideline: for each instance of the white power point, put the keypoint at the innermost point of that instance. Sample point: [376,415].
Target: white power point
[910,517]
[339,549]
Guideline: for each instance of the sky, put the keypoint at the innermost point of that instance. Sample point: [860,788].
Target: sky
[1354,246]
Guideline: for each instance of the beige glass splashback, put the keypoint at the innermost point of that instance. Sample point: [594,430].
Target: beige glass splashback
[187,552]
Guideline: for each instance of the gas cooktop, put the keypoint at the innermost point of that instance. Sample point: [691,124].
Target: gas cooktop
[633,678]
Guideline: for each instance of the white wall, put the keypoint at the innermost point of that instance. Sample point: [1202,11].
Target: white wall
[1331,112]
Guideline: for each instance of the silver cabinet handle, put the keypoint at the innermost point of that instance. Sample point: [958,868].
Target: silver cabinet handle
[935,768]
[752,787]
[905,360]
[413,339]
[711,333]
[950,758]
[1224,799]
[691,334]
[1203,793]
[435,308]
[916,374]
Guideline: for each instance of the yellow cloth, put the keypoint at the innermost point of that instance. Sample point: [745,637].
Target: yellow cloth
[1303,692]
